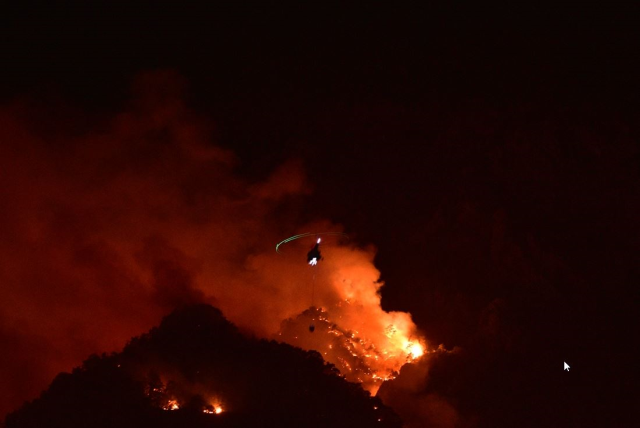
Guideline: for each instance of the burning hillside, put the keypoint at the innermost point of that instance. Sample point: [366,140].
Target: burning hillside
[348,328]
[196,369]
[357,357]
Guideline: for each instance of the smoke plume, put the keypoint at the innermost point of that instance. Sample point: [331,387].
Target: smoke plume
[107,230]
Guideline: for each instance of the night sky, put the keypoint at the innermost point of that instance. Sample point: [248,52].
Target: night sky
[489,160]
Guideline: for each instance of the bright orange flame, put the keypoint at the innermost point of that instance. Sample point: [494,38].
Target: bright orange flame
[334,308]
[415,350]
[214,408]
[171,405]
[369,356]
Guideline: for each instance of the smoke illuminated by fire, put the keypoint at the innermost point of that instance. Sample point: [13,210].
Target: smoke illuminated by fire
[345,322]
[146,214]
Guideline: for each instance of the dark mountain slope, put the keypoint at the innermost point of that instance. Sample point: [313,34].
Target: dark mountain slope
[197,370]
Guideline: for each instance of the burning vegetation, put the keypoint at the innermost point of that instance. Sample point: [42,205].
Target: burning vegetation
[171,395]
[345,322]
[358,358]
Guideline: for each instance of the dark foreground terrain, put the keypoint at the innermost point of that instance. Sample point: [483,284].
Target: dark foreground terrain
[195,362]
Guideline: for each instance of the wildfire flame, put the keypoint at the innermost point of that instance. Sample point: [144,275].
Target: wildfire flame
[156,390]
[360,359]
[171,405]
[415,350]
[366,344]
[214,410]
[345,323]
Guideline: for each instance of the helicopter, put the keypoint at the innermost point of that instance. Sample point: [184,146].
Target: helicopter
[314,256]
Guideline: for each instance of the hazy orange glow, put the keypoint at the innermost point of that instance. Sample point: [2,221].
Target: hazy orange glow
[367,344]
[146,214]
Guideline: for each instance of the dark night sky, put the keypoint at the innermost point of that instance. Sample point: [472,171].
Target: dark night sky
[488,157]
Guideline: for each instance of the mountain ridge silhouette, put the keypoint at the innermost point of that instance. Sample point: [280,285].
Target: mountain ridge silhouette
[199,361]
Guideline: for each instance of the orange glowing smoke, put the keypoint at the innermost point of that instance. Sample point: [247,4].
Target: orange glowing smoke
[352,331]
[367,344]
[145,214]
